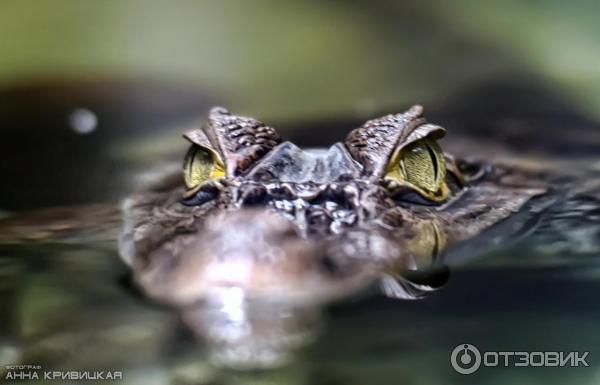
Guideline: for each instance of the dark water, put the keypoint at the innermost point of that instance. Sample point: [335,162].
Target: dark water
[73,307]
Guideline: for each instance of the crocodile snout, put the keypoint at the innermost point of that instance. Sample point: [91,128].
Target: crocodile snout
[257,251]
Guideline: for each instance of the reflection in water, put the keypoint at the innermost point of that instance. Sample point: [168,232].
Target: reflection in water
[245,334]
[253,289]
[407,261]
[401,287]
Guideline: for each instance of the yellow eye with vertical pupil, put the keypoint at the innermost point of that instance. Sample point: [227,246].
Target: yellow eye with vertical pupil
[200,165]
[422,166]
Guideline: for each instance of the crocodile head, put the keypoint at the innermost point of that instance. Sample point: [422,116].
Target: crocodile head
[259,233]
[277,222]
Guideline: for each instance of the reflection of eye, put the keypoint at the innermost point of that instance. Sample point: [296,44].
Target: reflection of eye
[201,165]
[421,165]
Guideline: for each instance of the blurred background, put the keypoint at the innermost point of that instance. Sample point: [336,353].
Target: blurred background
[94,97]
[93,91]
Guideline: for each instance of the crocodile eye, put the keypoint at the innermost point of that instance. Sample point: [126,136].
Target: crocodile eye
[421,166]
[201,165]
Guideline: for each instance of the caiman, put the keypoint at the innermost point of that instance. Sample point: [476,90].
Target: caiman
[257,224]
[276,221]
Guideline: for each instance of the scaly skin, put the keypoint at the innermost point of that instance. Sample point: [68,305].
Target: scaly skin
[306,226]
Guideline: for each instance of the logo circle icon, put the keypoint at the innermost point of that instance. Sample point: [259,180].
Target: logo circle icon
[465,359]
